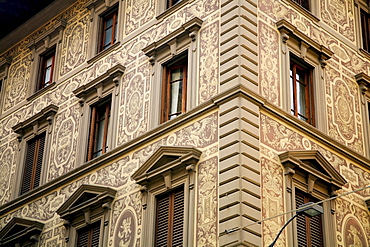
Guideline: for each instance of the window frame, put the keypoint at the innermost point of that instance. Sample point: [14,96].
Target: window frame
[43,68]
[309,96]
[309,172]
[40,123]
[181,42]
[167,169]
[363,81]
[100,9]
[297,45]
[4,69]
[79,211]
[103,29]
[94,92]
[48,42]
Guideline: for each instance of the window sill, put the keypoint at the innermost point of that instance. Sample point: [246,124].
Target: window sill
[365,53]
[103,53]
[41,91]
[172,9]
[302,10]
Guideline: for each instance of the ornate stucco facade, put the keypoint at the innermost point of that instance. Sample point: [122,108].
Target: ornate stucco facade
[237,122]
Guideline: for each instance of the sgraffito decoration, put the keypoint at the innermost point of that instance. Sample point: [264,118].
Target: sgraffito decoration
[17,83]
[272,200]
[339,15]
[138,12]
[268,61]
[207,203]
[126,229]
[208,72]
[7,171]
[74,47]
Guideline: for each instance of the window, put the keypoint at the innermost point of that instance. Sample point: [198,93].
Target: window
[303,64]
[174,60]
[88,236]
[33,164]
[170,218]
[99,105]
[33,135]
[310,177]
[99,125]
[309,230]
[87,216]
[46,69]
[365,28]
[109,29]
[171,3]
[167,179]
[303,3]
[174,89]
[301,102]
[21,232]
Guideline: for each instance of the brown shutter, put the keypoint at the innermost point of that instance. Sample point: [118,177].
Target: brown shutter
[301,222]
[28,168]
[38,165]
[316,231]
[178,218]
[162,221]
[89,235]
[95,234]
[83,238]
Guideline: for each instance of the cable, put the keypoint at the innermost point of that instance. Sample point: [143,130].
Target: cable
[292,211]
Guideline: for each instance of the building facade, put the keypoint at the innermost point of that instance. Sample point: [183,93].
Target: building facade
[186,123]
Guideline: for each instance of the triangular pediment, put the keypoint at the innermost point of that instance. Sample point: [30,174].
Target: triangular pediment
[19,229]
[87,196]
[164,159]
[314,163]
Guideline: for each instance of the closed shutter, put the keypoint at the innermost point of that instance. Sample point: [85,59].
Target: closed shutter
[170,219]
[178,218]
[33,165]
[309,230]
[365,30]
[89,235]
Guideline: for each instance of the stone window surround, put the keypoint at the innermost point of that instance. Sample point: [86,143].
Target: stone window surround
[363,81]
[87,212]
[312,14]
[97,9]
[310,52]
[183,39]
[42,44]
[28,129]
[167,169]
[360,4]
[301,174]
[4,70]
[91,93]
[162,12]
[31,232]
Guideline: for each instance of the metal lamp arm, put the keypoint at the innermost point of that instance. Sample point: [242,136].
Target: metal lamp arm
[282,229]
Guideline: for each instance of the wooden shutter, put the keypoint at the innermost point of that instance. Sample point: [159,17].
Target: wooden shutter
[309,230]
[89,236]
[170,219]
[33,164]
[365,27]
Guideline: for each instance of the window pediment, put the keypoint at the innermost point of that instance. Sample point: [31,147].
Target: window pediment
[164,159]
[191,28]
[288,30]
[97,85]
[19,229]
[87,197]
[45,114]
[314,164]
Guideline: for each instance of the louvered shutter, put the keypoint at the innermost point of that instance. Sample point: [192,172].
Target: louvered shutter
[178,218]
[162,221]
[83,237]
[95,234]
[89,235]
[301,222]
[309,230]
[28,168]
[38,165]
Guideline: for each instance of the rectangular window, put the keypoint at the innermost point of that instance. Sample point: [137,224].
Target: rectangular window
[174,89]
[301,98]
[170,3]
[303,3]
[99,125]
[33,165]
[109,29]
[309,230]
[89,235]
[170,218]
[46,69]
[365,25]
